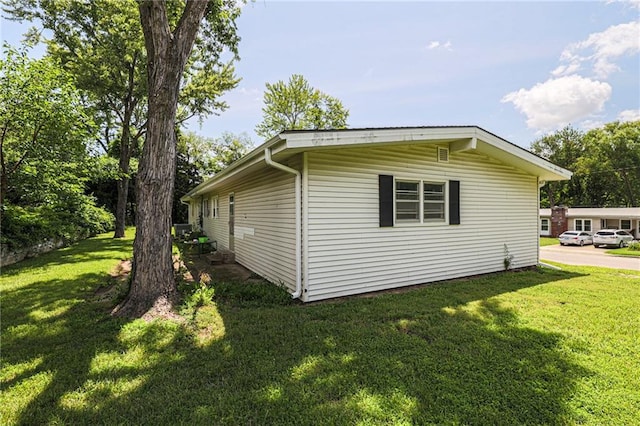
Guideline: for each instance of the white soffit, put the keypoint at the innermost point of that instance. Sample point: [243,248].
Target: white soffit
[464,138]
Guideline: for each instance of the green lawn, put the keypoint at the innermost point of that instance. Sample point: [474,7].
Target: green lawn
[537,347]
[548,241]
[624,251]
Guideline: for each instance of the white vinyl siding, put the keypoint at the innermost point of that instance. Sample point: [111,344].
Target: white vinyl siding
[349,253]
[264,212]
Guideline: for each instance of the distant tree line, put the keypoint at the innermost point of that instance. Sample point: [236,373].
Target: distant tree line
[605,163]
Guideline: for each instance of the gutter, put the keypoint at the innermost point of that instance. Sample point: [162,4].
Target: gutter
[251,158]
[298,201]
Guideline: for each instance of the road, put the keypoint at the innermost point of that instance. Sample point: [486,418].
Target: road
[587,255]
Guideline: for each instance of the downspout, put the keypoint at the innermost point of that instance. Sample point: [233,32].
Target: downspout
[298,201]
[541,183]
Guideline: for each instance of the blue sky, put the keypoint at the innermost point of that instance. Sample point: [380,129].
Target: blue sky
[517,69]
[445,63]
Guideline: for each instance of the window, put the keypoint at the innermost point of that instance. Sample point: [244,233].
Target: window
[215,210]
[433,201]
[419,201]
[416,201]
[544,224]
[625,224]
[583,225]
[232,206]
[206,207]
[407,201]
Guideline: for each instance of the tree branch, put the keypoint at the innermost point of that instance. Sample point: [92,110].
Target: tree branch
[188,27]
[155,27]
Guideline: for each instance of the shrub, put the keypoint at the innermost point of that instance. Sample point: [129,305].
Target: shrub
[634,245]
[201,296]
[27,226]
[95,220]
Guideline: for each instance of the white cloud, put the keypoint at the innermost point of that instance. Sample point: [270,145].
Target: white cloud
[439,45]
[601,50]
[560,101]
[629,115]
[565,70]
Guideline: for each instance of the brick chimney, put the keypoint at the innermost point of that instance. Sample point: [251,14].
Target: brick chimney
[559,222]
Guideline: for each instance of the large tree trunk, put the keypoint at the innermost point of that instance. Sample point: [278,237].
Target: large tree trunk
[153,284]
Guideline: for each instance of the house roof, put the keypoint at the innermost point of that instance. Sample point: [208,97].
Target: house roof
[457,138]
[599,212]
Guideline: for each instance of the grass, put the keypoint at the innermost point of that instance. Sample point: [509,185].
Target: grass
[548,241]
[624,251]
[535,347]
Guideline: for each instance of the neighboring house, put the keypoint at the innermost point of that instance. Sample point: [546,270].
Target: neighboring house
[554,222]
[341,212]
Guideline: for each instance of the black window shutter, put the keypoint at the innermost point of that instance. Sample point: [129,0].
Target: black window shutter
[385,188]
[454,202]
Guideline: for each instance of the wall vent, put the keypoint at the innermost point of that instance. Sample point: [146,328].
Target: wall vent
[443,155]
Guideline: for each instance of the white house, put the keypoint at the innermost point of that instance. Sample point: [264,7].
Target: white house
[555,221]
[340,212]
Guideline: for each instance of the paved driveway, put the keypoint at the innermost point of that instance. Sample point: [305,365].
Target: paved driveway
[587,255]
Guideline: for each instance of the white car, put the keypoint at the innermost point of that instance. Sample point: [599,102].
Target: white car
[612,237]
[578,238]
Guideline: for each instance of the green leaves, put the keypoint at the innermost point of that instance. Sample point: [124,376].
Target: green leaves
[297,106]
[605,162]
[199,158]
[101,44]
[614,154]
[41,116]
